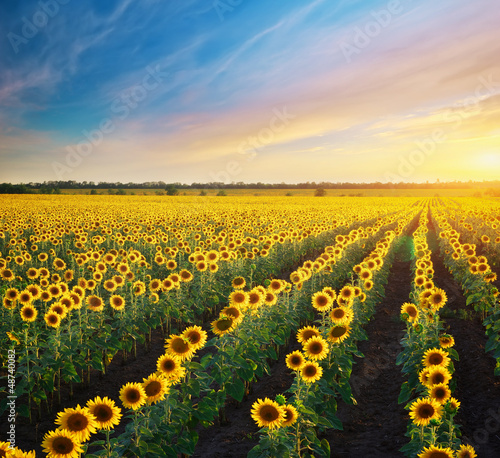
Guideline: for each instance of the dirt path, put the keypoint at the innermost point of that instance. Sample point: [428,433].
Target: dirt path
[477,388]
[376,426]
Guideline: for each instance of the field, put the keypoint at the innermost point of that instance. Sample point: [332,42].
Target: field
[244,325]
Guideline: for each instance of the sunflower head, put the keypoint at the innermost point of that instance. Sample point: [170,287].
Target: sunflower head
[291,415]
[435,357]
[133,396]
[321,301]
[311,372]
[180,347]
[196,335]
[61,444]
[423,410]
[316,348]
[79,421]
[338,333]
[295,360]
[155,387]
[267,413]
[446,341]
[105,411]
[436,451]
[223,325]
[466,451]
[306,333]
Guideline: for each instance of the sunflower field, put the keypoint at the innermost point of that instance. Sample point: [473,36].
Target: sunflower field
[144,326]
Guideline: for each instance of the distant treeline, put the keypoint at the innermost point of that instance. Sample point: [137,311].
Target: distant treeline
[54,187]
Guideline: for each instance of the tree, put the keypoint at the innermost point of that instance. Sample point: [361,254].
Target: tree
[320,192]
[203,192]
[171,190]
[222,193]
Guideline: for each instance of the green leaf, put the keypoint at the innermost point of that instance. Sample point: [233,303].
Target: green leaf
[405,393]
[236,389]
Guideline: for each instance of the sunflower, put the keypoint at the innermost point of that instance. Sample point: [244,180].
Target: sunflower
[295,360]
[105,411]
[346,293]
[201,266]
[341,315]
[139,288]
[238,298]
[223,325]
[238,283]
[276,286]
[438,374]
[435,451]
[316,348]
[437,299]
[110,285]
[29,313]
[311,371]
[133,395]
[4,448]
[61,444]
[196,336]
[270,298]
[368,285]
[52,319]
[234,312]
[420,280]
[255,298]
[306,333]
[185,276]
[60,309]
[291,415]
[7,274]
[267,413]
[117,302]
[331,292]
[170,367]
[365,274]
[12,294]
[79,421]
[95,303]
[338,334]
[167,284]
[435,357]
[490,277]
[155,387]
[453,404]
[440,392]
[423,410]
[179,346]
[321,301]
[466,451]
[411,310]
[446,341]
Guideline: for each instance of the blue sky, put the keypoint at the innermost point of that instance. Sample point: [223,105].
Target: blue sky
[230,90]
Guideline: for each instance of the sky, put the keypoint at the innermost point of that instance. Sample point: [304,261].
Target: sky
[249,90]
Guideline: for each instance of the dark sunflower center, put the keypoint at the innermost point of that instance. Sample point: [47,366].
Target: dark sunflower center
[224,325]
[153,388]
[28,313]
[436,359]
[315,348]
[411,311]
[269,413]
[194,337]
[254,298]
[426,411]
[77,422]
[322,301]
[168,365]
[63,445]
[296,360]
[308,334]
[338,331]
[338,313]
[53,319]
[438,454]
[310,370]
[179,346]
[133,395]
[103,413]
[440,393]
